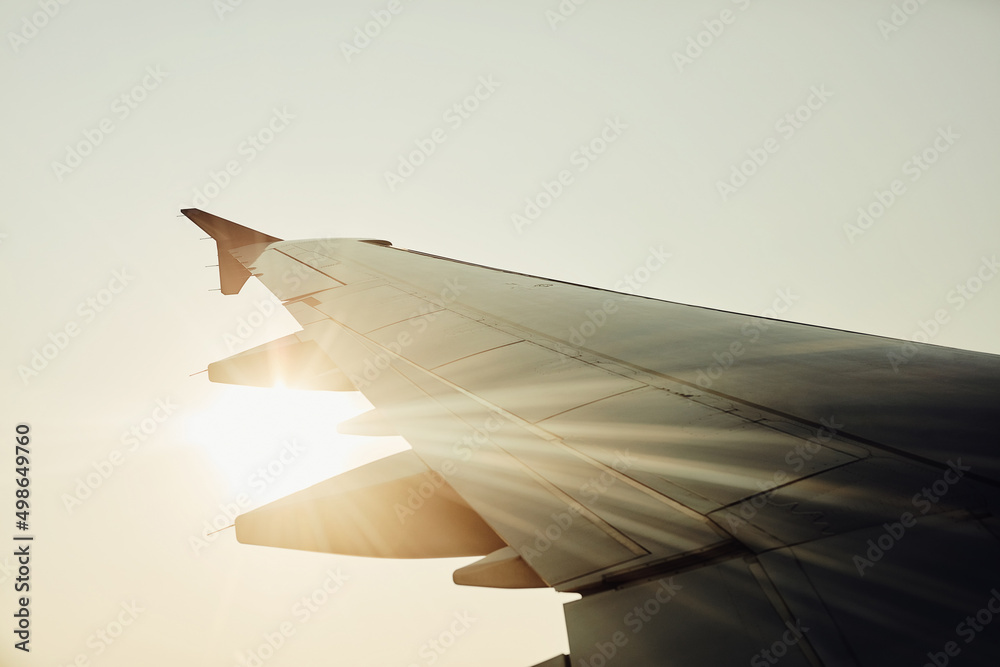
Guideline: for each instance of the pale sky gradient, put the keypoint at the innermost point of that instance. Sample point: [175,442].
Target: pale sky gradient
[879,97]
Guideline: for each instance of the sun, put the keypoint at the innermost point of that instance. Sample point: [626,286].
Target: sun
[269,442]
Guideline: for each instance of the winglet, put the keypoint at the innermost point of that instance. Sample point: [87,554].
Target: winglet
[228,235]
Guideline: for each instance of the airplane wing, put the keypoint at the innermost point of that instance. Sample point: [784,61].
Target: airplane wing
[720,489]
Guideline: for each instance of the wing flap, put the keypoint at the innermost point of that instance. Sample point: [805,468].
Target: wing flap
[286,362]
[503,568]
[391,508]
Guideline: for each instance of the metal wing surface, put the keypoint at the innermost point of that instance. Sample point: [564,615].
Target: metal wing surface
[720,489]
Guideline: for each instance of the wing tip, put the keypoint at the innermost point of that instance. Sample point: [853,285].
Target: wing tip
[228,235]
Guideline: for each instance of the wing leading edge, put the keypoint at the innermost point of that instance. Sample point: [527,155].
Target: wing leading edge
[809,503]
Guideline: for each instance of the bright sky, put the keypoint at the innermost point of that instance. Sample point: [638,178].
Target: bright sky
[835,161]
